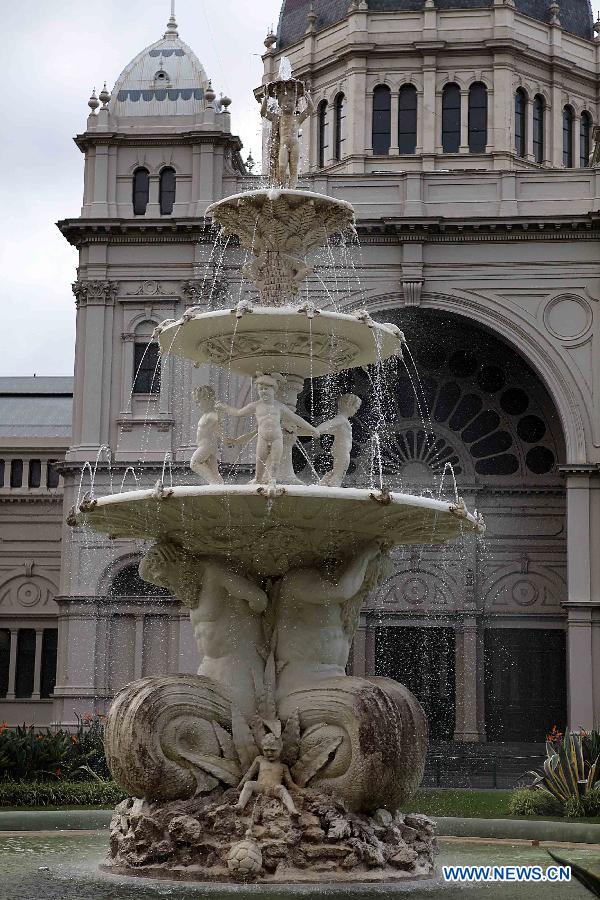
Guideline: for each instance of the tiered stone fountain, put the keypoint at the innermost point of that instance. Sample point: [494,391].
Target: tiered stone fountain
[271,763]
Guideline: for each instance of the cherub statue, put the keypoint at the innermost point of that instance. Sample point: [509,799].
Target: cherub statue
[341,429]
[270,415]
[287,121]
[205,460]
[274,777]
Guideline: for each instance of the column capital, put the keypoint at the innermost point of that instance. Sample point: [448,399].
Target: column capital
[95,293]
[582,470]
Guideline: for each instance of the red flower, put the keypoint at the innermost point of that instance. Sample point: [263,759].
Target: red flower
[74,739]
[3,726]
[554,736]
[57,771]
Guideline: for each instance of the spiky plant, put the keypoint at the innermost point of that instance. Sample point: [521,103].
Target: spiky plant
[568,772]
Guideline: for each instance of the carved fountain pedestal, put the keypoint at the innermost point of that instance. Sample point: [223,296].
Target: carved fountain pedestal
[271,763]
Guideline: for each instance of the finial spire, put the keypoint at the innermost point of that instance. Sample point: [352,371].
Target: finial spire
[171,31]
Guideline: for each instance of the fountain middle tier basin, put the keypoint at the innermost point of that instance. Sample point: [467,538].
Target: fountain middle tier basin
[288,340]
[298,526]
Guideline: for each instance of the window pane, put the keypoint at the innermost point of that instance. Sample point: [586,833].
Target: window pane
[141,191]
[382,120]
[16,473]
[478,115]
[568,137]
[584,139]
[52,476]
[538,129]
[322,137]
[407,119]
[25,662]
[48,674]
[146,367]
[520,123]
[451,119]
[35,473]
[4,660]
[340,125]
[167,191]
[1,473]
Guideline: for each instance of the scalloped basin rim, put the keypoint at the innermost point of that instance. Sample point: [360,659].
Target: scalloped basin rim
[272,194]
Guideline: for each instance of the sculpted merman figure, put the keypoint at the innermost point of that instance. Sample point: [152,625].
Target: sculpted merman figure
[225,611]
[274,777]
[287,122]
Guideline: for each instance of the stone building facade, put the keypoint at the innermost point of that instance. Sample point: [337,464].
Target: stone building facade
[462,137]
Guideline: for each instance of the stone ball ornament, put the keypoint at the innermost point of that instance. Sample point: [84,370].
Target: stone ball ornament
[245,859]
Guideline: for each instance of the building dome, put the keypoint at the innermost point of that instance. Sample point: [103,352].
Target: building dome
[166,78]
[575,15]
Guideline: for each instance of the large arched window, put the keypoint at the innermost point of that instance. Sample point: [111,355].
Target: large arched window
[166,191]
[407,119]
[478,117]
[520,122]
[141,191]
[339,126]
[539,114]
[322,136]
[568,120]
[451,118]
[585,137]
[127,583]
[382,120]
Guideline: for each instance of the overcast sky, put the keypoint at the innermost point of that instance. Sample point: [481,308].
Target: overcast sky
[53,54]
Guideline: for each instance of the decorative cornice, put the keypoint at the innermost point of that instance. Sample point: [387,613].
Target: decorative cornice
[114,138]
[437,230]
[585,470]
[79,232]
[95,293]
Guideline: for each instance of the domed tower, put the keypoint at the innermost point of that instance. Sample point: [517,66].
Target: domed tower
[158,150]
[463,132]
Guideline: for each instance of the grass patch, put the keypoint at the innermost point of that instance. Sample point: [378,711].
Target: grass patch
[59,794]
[475,805]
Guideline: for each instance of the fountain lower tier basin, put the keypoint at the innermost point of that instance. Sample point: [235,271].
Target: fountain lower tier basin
[299,526]
[280,340]
[289,221]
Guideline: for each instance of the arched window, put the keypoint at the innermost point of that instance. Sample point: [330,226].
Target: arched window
[322,133]
[407,119]
[539,113]
[339,126]
[585,135]
[478,117]
[520,123]
[568,119]
[141,191]
[382,120]
[166,191]
[146,368]
[451,118]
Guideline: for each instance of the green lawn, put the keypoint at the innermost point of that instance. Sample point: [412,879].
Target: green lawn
[472,805]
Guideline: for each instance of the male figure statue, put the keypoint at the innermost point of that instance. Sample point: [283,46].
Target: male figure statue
[317,615]
[225,611]
[274,777]
[205,460]
[341,429]
[288,121]
[270,415]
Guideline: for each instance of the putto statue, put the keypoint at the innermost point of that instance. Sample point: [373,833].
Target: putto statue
[341,430]
[286,117]
[273,778]
[205,460]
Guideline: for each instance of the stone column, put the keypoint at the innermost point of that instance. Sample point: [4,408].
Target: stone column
[394,122]
[464,121]
[12,664]
[468,669]
[583,605]
[37,669]
[529,129]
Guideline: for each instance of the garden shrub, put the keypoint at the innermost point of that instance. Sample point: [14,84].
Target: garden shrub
[60,793]
[30,754]
[533,802]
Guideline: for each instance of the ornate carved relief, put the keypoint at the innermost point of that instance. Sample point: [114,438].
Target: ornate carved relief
[568,317]
[23,592]
[201,290]
[151,288]
[528,588]
[95,293]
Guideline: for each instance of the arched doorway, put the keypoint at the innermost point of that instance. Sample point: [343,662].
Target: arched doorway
[472,628]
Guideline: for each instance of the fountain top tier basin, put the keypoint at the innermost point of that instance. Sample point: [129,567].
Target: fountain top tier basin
[295,341]
[287,221]
[269,531]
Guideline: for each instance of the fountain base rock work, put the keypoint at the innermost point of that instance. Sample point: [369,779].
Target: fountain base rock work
[271,763]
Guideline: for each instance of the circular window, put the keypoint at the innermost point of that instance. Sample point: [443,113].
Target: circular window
[540,460]
[463,363]
[514,401]
[531,429]
[491,379]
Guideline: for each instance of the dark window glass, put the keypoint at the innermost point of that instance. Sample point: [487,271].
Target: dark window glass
[166,192]
[451,118]
[514,401]
[25,662]
[382,120]
[585,133]
[48,673]
[538,128]
[531,429]
[520,122]
[504,464]
[340,126]
[1,473]
[540,460]
[141,191]
[4,660]
[322,135]
[407,119]
[146,369]
[35,473]
[568,117]
[478,117]
[16,473]
[52,476]
[127,583]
